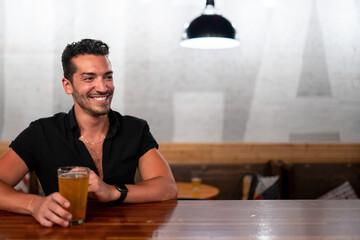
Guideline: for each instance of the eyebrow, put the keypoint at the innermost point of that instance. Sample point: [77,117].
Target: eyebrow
[92,74]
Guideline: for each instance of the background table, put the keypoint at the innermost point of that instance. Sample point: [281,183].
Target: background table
[205,192]
[201,219]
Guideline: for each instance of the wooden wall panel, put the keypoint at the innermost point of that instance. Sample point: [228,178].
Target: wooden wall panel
[249,153]
[4,146]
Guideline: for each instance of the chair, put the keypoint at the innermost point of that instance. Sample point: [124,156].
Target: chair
[273,183]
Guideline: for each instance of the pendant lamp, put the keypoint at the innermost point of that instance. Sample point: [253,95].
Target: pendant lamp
[209,31]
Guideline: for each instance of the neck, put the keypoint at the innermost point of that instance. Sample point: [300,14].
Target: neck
[92,128]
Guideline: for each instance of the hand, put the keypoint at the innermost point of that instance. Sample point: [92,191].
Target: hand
[100,190]
[50,210]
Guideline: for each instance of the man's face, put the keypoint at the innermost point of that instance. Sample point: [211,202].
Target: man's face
[92,86]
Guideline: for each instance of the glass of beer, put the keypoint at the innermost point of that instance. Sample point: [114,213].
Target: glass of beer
[73,185]
[196,183]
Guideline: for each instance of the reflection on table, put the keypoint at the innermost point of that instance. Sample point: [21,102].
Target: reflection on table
[201,219]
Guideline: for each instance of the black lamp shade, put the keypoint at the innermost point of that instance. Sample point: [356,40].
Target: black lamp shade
[209,31]
[210,26]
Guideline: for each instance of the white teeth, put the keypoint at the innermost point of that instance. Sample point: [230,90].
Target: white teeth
[99,98]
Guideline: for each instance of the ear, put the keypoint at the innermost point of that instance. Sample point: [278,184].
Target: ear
[67,86]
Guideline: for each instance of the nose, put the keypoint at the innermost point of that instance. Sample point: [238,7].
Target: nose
[101,86]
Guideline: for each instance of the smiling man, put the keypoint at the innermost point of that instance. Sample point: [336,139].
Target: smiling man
[91,134]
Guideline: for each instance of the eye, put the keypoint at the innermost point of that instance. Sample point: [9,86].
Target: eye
[87,78]
[109,77]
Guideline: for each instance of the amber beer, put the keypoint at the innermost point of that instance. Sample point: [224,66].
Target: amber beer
[73,185]
[196,183]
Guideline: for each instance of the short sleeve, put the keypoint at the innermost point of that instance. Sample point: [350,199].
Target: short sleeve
[147,140]
[25,144]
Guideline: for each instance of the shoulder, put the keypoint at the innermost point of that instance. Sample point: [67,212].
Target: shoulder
[36,135]
[130,126]
[134,120]
[128,120]
[49,125]
[53,120]
[55,117]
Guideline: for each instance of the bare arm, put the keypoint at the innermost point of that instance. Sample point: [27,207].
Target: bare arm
[158,182]
[46,210]
[12,170]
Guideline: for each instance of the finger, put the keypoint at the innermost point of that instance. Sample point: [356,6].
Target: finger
[54,218]
[90,188]
[43,218]
[56,207]
[93,187]
[59,211]
[49,211]
[45,222]
[93,176]
[94,183]
[60,199]
[92,179]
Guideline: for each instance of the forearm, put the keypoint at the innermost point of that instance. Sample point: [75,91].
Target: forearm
[156,189]
[14,201]
[158,184]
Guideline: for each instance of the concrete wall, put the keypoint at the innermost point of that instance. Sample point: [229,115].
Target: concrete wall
[295,76]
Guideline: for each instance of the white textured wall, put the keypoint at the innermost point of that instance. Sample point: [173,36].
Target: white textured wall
[295,76]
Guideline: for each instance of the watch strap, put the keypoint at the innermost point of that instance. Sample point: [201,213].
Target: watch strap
[123,191]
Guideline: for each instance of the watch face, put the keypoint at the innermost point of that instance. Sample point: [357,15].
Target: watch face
[121,188]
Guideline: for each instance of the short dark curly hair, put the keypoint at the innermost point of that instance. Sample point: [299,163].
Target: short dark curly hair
[85,46]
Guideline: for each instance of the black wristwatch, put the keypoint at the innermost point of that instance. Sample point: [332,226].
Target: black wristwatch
[123,190]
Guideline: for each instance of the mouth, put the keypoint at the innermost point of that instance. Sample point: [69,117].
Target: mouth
[100,99]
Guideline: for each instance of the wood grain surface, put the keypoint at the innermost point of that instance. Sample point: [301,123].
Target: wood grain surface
[201,219]
[252,153]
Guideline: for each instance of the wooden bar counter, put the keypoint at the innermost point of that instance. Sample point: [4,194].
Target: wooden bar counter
[201,219]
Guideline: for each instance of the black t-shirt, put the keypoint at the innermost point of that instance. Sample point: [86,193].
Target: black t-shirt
[50,143]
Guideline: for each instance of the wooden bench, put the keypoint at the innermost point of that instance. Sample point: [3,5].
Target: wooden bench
[308,170]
